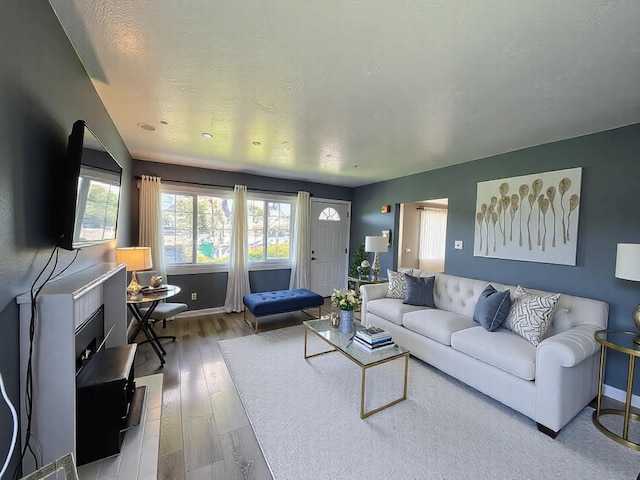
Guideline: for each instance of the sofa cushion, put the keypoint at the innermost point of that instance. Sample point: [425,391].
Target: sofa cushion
[502,349]
[396,287]
[436,324]
[459,294]
[419,291]
[531,315]
[391,309]
[492,308]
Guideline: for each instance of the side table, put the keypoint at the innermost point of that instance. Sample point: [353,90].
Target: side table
[364,281]
[622,342]
[152,298]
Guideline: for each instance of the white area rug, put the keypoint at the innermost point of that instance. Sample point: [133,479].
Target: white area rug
[305,414]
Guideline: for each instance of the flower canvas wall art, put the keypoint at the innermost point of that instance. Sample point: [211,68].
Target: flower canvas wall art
[531,217]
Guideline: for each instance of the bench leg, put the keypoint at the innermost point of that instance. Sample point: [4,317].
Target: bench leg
[311,314]
[244,317]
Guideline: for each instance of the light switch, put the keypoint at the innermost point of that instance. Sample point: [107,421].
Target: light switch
[457,244]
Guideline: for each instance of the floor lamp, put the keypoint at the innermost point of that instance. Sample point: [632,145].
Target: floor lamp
[135,258]
[376,245]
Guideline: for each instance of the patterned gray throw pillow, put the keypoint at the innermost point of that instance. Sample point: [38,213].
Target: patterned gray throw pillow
[530,315]
[397,287]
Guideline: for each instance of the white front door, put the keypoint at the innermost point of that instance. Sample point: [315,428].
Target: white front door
[330,226]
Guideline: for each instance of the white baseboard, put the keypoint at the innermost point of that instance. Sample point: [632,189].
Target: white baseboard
[620,395]
[204,311]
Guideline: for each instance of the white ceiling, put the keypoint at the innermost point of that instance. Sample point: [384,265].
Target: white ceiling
[394,87]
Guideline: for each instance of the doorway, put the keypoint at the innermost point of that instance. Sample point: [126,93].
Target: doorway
[330,227]
[422,235]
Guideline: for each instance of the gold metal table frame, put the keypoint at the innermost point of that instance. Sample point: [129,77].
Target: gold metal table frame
[403,353]
[622,342]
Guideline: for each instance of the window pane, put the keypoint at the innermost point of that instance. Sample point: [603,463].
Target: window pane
[278,231]
[255,222]
[177,222]
[214,229]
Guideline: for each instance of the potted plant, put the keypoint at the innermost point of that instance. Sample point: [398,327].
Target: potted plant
[359,256]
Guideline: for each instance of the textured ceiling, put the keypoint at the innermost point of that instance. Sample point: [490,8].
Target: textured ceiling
[350,92]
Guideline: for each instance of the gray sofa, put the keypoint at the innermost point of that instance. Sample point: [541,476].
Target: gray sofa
[549,383]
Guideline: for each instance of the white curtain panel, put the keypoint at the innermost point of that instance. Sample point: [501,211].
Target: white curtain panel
[150,221]
[238,282]
[433,230]
[301,247]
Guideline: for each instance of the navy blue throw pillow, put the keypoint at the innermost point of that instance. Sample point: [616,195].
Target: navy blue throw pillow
[492,308]
[419,291]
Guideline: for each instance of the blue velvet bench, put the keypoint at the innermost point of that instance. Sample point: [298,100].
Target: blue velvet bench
[280,301]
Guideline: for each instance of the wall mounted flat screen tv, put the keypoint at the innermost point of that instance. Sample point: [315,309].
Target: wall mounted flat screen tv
[91,195]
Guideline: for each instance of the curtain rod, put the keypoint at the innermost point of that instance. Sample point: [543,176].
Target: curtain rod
[138,177]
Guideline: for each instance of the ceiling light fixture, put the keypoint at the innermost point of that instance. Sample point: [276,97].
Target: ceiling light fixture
[207,135]
[147,127]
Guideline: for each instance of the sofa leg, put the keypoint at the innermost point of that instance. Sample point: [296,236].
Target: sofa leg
[547,431]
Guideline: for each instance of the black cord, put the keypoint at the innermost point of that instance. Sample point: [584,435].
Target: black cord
[29,374]
[65,268]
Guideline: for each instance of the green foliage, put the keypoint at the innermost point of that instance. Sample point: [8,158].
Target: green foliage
[358,256]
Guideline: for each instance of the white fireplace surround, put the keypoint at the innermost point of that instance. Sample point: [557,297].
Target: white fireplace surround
[62,307]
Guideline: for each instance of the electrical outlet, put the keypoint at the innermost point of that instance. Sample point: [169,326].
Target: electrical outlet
[457,244]
[194,296]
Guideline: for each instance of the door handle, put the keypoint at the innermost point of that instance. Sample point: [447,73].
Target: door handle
[313,258]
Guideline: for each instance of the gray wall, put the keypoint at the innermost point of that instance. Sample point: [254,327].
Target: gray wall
[608,215]
[211,287]
[43,90]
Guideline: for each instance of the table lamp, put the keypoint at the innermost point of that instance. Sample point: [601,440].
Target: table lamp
[628,268]
[135,258]
[376,245]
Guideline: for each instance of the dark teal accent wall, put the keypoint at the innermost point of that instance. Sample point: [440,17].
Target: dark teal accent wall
[43,89]
[608,215]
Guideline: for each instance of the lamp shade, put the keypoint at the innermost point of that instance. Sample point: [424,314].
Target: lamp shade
[376,244]
[136,258]
[628,261]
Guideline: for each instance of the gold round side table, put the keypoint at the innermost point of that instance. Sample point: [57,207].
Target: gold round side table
[622,342]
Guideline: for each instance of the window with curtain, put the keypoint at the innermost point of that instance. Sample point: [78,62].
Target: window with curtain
[433,235]
[197,227]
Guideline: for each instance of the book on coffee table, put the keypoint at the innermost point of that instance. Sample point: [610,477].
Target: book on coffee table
[373,335]
[373,347]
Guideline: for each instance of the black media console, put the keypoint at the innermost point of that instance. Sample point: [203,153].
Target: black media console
[107,402]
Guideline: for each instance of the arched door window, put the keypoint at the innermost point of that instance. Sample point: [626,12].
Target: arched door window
[329,214]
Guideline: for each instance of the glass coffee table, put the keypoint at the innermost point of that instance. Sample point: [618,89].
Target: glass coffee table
[342,342]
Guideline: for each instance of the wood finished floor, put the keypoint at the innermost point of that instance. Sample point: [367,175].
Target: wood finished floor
[204,430]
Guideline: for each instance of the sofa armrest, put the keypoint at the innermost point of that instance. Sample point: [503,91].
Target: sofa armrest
[570,347]
[371,292]
[566,375]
